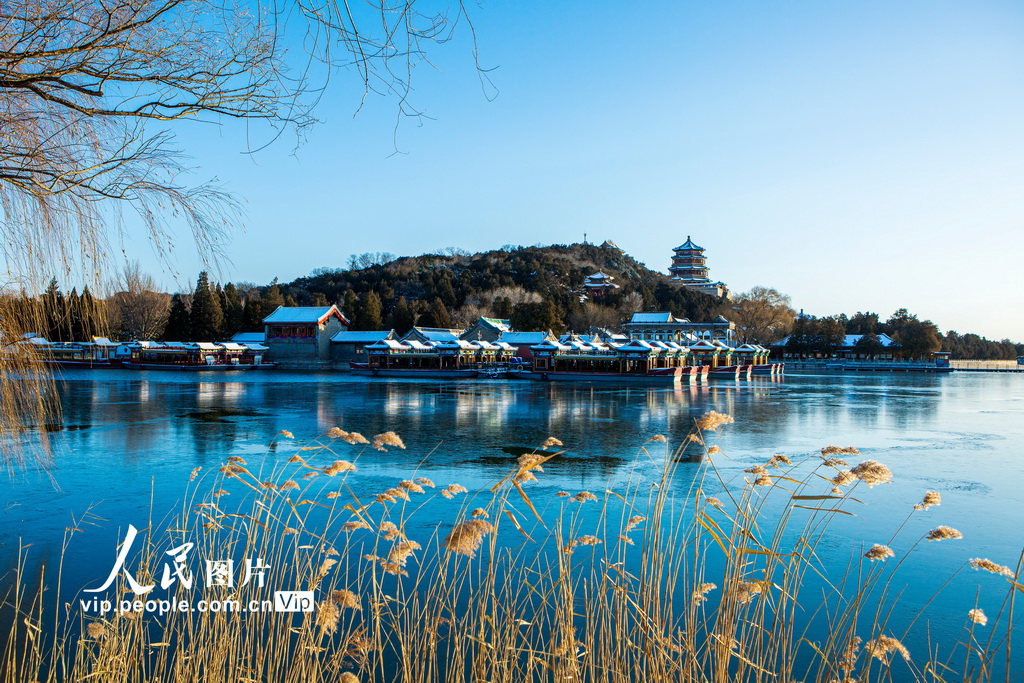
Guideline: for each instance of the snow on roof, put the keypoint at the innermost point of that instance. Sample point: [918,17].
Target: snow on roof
[434,334]
[547,345]
[687,245]
[361,336]
[456,344]
[659,317]
[389,344]
[497,323]
[637,345]
[243,337]
[232,346]
[255,346]
[523,338]
[202,346]
[302,314]
[417,345]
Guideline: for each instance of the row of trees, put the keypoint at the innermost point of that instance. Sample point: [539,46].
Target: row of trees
[138,310]
[826,335]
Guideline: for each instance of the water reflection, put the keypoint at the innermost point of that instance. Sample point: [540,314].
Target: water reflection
[128,443]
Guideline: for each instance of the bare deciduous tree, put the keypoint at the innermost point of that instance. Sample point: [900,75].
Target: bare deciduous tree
[136,308]
[763,315]
[91,91]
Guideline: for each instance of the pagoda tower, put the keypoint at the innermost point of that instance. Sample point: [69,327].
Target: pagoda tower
[690,269]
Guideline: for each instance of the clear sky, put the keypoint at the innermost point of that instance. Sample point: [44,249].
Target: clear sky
[857,156]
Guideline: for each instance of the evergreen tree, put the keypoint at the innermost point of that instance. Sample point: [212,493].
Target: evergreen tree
[206,318]
[179,327]
[368,316]
[349,305]
[402,318]
[252,313]
[437,315]
[271,299]
[502,308]
[92,315]
[319,300]
[234,312]
[535,317]
[75,325]
[54,309]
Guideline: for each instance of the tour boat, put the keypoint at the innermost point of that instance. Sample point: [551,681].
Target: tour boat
[194,357]
[99,353]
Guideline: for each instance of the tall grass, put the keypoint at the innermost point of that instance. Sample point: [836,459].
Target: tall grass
[712,582]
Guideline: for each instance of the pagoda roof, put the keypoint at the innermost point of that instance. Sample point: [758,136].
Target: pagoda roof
[688,245]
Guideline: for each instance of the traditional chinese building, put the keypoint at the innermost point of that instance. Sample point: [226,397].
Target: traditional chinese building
[487,329]
[663,326]
[598,284]
[690,269]
[350,345]
[303,333]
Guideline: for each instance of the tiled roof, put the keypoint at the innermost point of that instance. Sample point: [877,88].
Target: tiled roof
[523,338]
[659,317]
[361,336]
[244,337]
[302,314]
[688,244]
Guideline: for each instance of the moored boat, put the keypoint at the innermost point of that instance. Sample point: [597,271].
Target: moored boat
[194,357]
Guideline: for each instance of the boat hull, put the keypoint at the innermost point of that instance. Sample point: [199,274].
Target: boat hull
[768,369]
[88,364]
[637,378]
[730,372]
[410,373]
[195,368]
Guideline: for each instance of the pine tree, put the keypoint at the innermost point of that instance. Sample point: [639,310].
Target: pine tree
[437,315]
[369,315]
[54,309]
[234,312]
[179,327]
[402,318]
[92,315]
[206,318]
[75,327]
[270,300]
[350,305]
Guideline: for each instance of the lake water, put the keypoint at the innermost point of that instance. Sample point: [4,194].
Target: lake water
[129,442]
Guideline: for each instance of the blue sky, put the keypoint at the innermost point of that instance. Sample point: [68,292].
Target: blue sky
[857,156]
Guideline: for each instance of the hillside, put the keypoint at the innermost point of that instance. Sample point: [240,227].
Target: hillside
[536,286]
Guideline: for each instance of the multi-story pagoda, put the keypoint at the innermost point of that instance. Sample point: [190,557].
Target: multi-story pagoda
[689,268]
